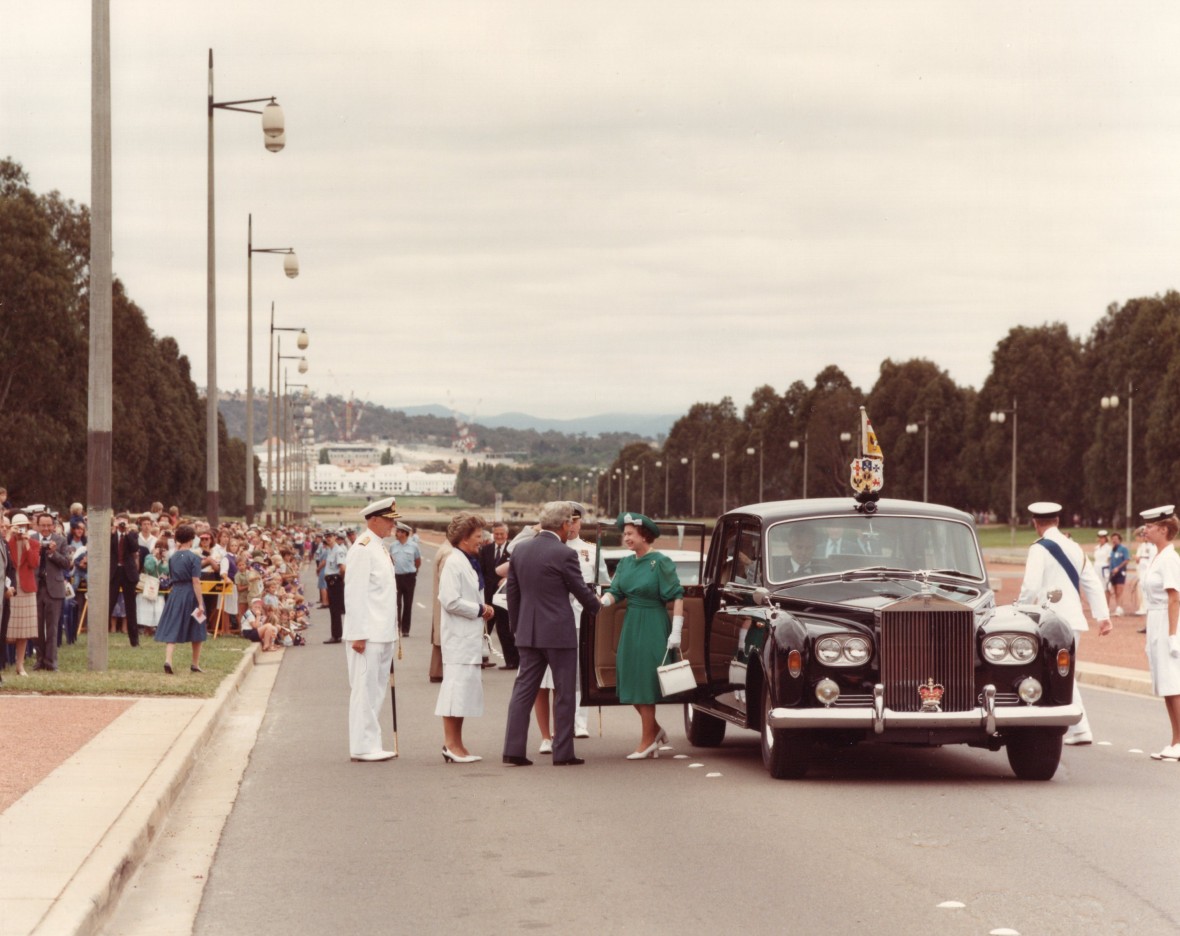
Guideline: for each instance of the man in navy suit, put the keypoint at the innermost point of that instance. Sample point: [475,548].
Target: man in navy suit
[542,575]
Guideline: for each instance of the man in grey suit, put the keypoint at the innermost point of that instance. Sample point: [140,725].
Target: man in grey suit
[51,590]
[542,575]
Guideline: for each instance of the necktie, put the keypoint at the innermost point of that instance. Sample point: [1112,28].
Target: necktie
[120,549]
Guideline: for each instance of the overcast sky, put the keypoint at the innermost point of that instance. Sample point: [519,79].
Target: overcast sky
[570,208]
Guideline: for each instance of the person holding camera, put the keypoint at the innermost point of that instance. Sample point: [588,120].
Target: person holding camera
[125,572]
[52,569]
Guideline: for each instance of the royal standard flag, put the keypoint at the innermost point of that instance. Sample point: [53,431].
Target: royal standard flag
[869,446]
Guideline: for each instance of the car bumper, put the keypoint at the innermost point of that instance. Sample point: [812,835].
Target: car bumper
[988,717]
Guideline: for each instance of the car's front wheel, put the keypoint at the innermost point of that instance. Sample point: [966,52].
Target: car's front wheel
[784,752]
[1034,753]
[703,730]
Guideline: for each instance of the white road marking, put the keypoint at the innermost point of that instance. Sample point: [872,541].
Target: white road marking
[680,756]
[1102,743]
[696,765]
[1135,750]
[951,905]
[1003,931]
[714,774]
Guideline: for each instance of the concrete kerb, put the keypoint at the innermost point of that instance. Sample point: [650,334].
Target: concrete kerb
[93,891]
[1115,677]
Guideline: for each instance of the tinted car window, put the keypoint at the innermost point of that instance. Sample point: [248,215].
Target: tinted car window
[796,549]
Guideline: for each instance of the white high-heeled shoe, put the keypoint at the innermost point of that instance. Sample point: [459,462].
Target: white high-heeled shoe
[452,758]
[652,751]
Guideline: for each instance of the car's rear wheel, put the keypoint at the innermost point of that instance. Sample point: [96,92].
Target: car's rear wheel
[784,752]
[1034,753]
[703,730]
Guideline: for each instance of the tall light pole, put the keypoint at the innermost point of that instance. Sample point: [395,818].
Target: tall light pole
[99,408]
[750,451]
[291,268]
[301,342]
[693,504]
[724,456]
[292,437]
[911,429]
[274,138]
[1112,402]
[280,454]
[794,444]
[642,486]
[998,416]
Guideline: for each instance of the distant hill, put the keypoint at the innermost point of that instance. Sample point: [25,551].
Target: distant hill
[648,426]
[589,440]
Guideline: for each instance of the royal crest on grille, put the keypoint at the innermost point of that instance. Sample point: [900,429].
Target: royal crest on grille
[931,695]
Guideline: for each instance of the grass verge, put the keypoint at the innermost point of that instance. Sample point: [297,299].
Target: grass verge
[133,671]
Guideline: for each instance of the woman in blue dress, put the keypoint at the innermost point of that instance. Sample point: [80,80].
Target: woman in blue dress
[648,581]
[177,623]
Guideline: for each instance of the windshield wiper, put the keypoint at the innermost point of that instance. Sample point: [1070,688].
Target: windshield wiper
[955,573]
[873,570]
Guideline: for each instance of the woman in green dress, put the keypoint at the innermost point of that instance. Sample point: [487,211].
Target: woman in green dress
[648,581]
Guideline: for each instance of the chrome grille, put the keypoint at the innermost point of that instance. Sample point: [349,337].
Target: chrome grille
[928,638]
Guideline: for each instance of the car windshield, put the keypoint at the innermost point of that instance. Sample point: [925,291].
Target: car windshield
[817,546]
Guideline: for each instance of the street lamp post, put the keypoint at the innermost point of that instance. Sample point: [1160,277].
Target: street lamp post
[693,488]
[1112,402]
[724,457]
[998,416]
[642,486]
[280,454]
[291,268]
[750,451]
[301,342]
[794,444]
[289,471]
[274,139]
[911,429]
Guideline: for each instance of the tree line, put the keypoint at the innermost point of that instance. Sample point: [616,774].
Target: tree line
[158,419]
[1047,385]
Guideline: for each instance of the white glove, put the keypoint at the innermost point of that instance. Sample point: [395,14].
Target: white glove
[607,600]
[674,637]
[1174,644]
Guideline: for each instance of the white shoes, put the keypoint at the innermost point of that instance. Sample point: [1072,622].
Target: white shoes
[546,746]
[581,733]
[1077,739]
[652,750]
[1170,753]
[374,756]
[452,758]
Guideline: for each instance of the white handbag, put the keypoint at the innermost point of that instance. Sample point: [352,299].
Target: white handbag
[675,678]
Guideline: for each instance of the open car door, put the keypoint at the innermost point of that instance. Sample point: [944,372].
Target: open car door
[684,541]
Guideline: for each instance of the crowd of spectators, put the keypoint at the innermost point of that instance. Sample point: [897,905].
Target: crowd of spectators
[250,576]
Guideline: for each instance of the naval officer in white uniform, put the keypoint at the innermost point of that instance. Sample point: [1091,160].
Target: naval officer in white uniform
[1161,595]
[1057,563]
[370,629]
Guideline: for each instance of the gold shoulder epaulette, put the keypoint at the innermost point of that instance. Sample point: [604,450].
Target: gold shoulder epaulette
[365,540]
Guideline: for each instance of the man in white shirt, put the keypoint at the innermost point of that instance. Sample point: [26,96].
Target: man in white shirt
[1057,564]
[370,630]
[586,553]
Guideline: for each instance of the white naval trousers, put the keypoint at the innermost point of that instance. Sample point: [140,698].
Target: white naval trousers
[368,675]
[1082,728]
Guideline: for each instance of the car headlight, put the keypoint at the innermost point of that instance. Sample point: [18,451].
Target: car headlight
[827,691]
[995,649]
[843,650]
[828,650]
[1022,648]
[857,650]
[1009,649]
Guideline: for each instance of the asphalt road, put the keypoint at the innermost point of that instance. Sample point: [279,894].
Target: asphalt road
[875,839]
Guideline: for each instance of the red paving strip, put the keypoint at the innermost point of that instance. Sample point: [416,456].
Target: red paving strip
[40,732]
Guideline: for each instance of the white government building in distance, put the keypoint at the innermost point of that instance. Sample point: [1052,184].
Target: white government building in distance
[355,468]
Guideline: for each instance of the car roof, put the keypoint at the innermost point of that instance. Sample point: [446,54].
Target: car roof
[773,511]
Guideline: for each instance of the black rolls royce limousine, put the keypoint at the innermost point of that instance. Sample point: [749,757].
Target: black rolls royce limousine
[829,621]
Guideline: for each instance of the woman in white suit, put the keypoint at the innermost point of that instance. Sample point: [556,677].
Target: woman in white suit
[460,597]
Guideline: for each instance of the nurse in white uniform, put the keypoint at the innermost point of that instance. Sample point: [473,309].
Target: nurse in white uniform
[370,629]
[1161,591]
[461,630]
